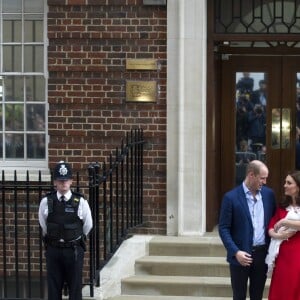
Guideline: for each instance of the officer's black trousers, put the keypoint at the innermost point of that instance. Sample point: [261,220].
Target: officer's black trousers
[64,265]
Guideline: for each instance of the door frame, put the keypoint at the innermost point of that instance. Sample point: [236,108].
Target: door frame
[289,63]
[217,44]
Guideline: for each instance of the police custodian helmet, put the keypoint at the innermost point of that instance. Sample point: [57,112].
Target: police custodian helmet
[62,171]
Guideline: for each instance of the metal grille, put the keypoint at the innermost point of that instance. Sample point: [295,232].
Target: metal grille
[257,16]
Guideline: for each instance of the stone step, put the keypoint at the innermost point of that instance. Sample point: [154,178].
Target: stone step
[148,297]
[83,297]
[178,286]
[182,265]
[180,268]
[186,246]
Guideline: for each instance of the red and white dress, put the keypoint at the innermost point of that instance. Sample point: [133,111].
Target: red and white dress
[285,281]
[292,214]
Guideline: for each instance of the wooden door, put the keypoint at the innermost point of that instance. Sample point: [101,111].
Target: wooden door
[259,116]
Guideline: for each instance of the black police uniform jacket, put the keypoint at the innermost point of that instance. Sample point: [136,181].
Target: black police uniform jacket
[63,222]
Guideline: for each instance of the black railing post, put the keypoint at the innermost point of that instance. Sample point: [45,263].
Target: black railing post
[16,236]
[122,190]
[111,207]
[127,182]
[142,175]
[28,236]
[91,171]
[104,176]
[40,241]
[4,236]
[131,153]
[136,202]
[117,194]
[97,222]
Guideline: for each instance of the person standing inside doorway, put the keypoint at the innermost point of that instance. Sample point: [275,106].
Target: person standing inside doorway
[245,214]
[65,218]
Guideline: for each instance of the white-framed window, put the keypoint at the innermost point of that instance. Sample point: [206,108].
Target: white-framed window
[23,84]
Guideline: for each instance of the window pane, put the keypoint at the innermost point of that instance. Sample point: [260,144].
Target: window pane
[34,58]
[12,5]
[36,145]
[14,145]
[33,30]
[35,88]
[12,28]
[12,59]
[14,117]
[33,6]
[35,117]
[23,82]
[13,88]
[1,89]
[1,118]
[1,146]
[267,16]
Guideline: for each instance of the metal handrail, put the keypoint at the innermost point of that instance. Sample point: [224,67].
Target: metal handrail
[115,195]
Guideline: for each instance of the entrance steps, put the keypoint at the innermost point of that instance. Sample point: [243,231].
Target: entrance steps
[147,297]
[180,268]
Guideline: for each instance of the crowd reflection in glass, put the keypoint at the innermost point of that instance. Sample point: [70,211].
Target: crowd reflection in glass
[251,101]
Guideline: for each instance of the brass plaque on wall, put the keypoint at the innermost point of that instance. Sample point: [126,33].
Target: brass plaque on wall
[141,91]
[141,64]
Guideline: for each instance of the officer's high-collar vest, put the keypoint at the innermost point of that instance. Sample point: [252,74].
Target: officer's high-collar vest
[63,221]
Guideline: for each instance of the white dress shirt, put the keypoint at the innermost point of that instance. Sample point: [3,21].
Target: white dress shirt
[256,210]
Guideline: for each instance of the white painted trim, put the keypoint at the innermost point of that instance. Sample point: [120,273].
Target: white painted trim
[186,122]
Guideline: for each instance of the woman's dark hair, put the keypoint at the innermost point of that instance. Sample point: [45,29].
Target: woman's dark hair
[287,200]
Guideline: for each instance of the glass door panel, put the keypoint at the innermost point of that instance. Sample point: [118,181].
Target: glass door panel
[250,123]
[259,117]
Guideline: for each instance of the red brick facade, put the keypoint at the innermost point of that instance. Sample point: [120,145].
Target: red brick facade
[89,42]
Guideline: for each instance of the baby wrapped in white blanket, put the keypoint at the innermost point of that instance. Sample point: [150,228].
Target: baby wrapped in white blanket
[275,243]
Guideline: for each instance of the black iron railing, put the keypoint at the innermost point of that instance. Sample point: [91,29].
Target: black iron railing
[115,191]
[116,199]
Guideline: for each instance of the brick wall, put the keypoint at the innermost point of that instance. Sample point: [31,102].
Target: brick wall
[89,42]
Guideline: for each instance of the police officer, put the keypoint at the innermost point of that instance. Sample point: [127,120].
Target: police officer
[65,219]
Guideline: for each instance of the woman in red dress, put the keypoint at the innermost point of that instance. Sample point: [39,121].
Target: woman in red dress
[285,281]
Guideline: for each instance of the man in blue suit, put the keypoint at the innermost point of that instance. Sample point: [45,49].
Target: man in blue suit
[244,217]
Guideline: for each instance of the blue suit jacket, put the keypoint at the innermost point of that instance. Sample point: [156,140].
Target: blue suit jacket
[235,225]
